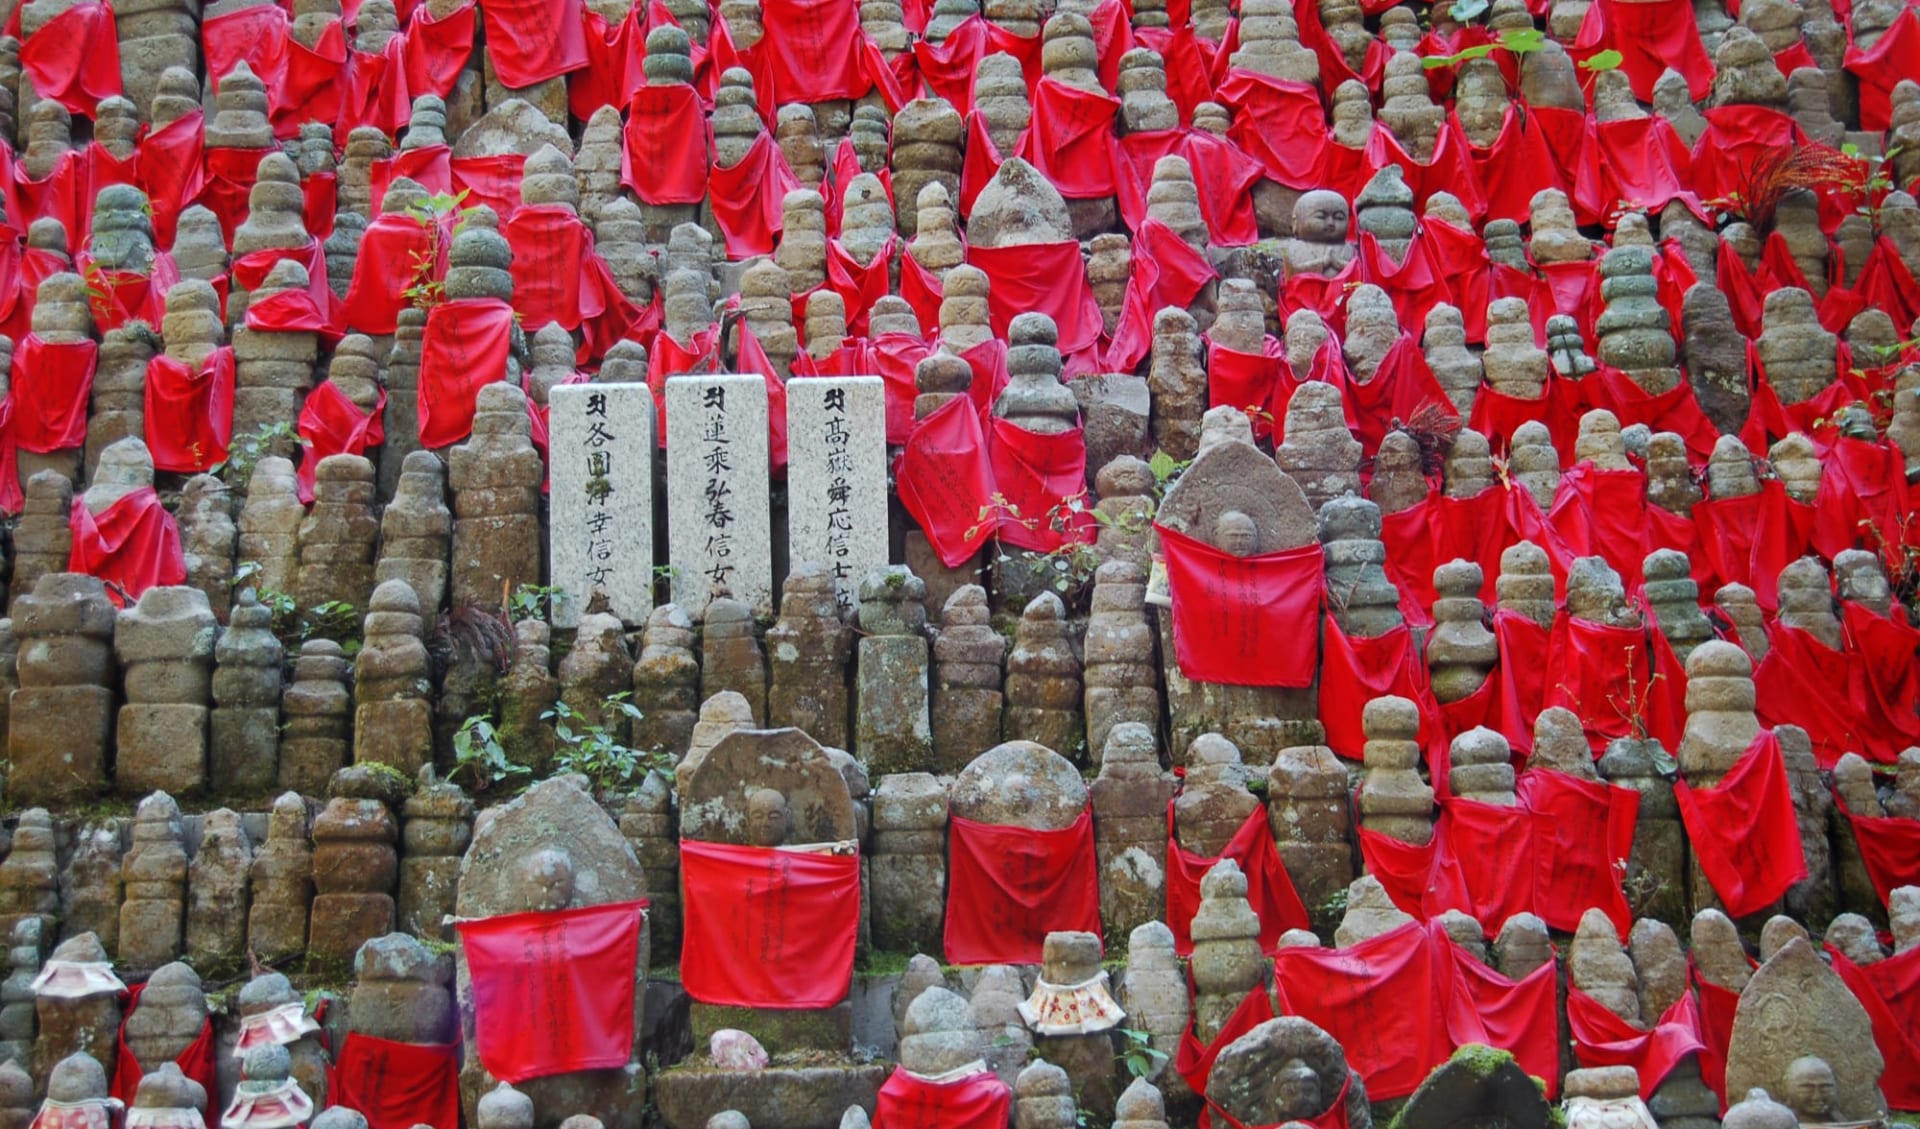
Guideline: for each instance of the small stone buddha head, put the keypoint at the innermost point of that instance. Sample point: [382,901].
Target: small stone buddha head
[1320,216]
[1810,1089]
[768,820]
[1235,533]
[1298,1087]
[549,875]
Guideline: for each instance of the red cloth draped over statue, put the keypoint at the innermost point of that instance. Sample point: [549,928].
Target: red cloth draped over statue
[1167,271]
[665,152]
[1039,476]
[1008,887]
[196,1062]
[132,545]
[1886,653]
[1400,387]
[746,198]
[944,480]
[1070,139]
[1398,1007]
[1890,991]
[189,412]
[974,1101]
[1279,124]
[1269,888]
[1194,1060]
[74,59]
[397,1085]
[1354,670]
[330,424]
[552,253]
[1605,674]
[388,266]
[1223,176]
[1557,853]
[1046,278]
[51,387]
[1804,682]
[1748,539]
[463,348]
[1893,57]
[1864,502]
[1521,679]
[766,927]
[1601,1038]
[1651,36]
[615,56]
[812,50]
[1889,846]
[169,166]
[1744,831]
[1228,611]
[1258,384]
[530,41]
[553,992]
[1439,529]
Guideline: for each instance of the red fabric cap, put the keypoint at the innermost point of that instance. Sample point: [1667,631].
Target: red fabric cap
[196,1062]
[397,1085]
[189,413]
[553,992]
[464,347]
[766,927]
[945,481]
[1008,887]
[74,59]
[1227,610]
[530,41]
[1744,831]
[132,545]
[977,1101]
[664,159]
[1269,888]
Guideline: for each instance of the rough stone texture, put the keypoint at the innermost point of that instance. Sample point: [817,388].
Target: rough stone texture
[1259,1077]
[355,863]
[1395,801]
[1307,812]
[496,477]
[1795,1006]
[281,883]
[61,719]
[807,651]
[907,867]
[893,728]
[153,916]
[165,644]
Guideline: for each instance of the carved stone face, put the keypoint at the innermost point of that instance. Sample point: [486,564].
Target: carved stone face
[1320,217]
[1298,1088]
[1810,1089]
[768,820]
[1235,533]
[549,876]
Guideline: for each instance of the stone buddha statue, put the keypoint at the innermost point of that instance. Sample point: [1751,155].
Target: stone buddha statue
[1812,1093]
[549,880]
[768,820]
[1319,241]
[1235,533]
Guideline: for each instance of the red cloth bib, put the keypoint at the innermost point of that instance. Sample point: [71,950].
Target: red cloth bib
[51,387]
[1744,831]
[1804,682]
[397,1085]
[746,198]
[1228,611]
[1269,887]
[1385,999]
[530,41]
[75,58]
[1279,124]
[132,545]
[1070,139]
[1047,278]
[977,1101]
[766,927]
[1890,991]
[196,1062]
[551,250]
[1601,1038]
[945,481]
[1008,887]
[1890,847]
[1167,271]
[553,992]
[464,347]
[1038,476]
[189,413]
[392,251]
[170,168]
[330,424]
[664,159]
[1356,670]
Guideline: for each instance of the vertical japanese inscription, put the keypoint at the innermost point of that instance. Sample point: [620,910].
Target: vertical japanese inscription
[717,492]
[601,529]
[837,477]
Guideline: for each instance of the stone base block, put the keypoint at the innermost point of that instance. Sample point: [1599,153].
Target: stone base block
[161,747]
[243,754]
[893,731]
[57,741]
[343,922]
[811,1029]
[398,734]
[780,1097]
[427,888]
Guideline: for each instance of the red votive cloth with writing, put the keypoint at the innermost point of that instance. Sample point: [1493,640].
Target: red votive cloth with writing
[1038,476]
[553,992]
[1384,999]
[132,545]
[979,1100]
[530,41]
[189,412]
[52,384]
[1744,831]
[945,480]
[1008,887]
[397,1085]
[1244,621]
[1269,888]
[765,927]
[463,348]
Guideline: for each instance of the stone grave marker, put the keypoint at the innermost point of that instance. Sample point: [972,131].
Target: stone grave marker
[837,477]
[718,523]
[601,532]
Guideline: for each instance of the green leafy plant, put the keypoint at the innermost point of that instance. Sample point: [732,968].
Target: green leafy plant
[1518,41]
[1603,61]
[532,601]
[590,748]
[479,761]
[245,451]
[1138,1055]
[1166,471]
[429,287]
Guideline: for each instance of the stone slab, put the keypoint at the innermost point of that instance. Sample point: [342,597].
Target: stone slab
[837,477]
[719,522]
[600,456]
